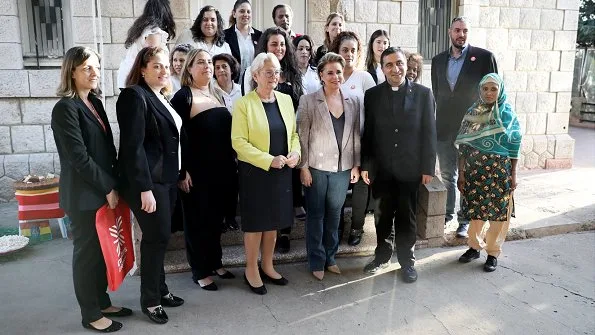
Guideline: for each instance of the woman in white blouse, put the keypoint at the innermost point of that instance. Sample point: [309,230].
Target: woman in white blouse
[379,41]
[305,60]
[227,69]
[207,32]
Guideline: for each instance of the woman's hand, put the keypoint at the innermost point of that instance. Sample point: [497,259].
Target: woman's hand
[148,203]
[461,182]
[292,159]
[112,199]
[185,184]
[306,177]
[278,162]
[354,174]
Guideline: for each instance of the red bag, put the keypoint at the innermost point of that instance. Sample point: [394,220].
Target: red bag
[115,236]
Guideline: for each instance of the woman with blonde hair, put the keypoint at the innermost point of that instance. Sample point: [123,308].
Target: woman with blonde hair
[88,180]
[210,163]
[263,133]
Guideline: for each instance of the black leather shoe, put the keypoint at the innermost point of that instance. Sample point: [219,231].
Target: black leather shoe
[211,287]
[114,327]
[280,281]
[409,274]
[469,255]
[261,290]
[374,266]
[491,263]
[231,223]
[123,312]
[283,244]
[158,315]
[226,275]
[171,301]
[355,237]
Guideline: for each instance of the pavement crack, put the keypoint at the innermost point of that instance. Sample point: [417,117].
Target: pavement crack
[270,310]
[434,315]
[548,283]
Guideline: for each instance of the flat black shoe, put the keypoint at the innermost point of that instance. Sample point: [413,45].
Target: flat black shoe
[211,287]
[491,263]
[469,255]
[158,315]
[283,244]
[114,327]
[374,266]
[122,312]
[226,275]
[172,301]
[409,274]
[355,237]
[262,290]
[280,281]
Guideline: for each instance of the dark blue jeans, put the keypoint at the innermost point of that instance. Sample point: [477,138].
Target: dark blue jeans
[324,199]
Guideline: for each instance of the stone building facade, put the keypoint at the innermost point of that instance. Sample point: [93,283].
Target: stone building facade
[534,42]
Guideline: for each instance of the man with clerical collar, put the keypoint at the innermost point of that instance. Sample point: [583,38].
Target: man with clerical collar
[283,18]
[456,73]
[398,154]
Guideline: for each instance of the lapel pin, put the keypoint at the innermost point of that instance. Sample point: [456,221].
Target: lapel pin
[352,87]
[473,58]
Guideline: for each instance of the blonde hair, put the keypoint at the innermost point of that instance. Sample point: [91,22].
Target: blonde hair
[186,78]
[73,58]
[327,36]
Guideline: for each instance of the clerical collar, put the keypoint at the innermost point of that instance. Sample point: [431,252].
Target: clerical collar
[395,89]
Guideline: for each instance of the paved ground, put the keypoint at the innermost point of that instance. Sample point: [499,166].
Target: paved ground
[543,286]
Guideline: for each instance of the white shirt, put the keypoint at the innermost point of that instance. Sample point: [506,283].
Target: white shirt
[186,38]
[247,82]
[229,98]
[310,81]
[380,74]
[177,120]
[132,51]
[246,46]
[357,84]
[175,84]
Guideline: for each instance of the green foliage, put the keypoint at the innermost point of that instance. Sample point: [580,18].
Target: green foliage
[586,24]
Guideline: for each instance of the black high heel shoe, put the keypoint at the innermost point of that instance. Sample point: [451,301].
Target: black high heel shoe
[122,312]
[114,327]
[280,281]
[226,275]
[261,290]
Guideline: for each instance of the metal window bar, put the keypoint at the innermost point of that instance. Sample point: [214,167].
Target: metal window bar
[45,18]
[434,16]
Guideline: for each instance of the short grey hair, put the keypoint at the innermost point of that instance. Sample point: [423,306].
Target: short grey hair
[260,59]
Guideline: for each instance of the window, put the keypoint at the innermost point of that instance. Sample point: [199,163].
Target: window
[433,34]
[43,27]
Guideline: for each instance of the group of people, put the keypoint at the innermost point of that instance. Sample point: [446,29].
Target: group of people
[263,117]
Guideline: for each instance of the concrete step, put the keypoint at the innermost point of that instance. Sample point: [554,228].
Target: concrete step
[233,255]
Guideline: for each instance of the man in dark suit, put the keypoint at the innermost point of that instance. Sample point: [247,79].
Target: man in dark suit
[455,78]
[398,153]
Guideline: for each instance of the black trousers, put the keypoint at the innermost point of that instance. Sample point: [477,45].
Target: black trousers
[156,229]
[361,200]
[298,196]
[88,267]
[396,210]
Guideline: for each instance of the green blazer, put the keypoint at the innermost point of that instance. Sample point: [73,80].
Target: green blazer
[250,136]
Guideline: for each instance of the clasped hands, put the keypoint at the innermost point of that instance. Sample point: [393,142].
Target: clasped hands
[280,161]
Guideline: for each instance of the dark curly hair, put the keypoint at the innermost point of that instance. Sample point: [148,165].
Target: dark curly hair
[307,38]
[197,34]
[157,13]
[231,61]
[345,36]
[289,68]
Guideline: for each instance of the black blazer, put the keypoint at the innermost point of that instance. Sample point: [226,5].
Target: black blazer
[149,142]
[372,71]
[87,154]
[232,39]
[452,105]
[399,144]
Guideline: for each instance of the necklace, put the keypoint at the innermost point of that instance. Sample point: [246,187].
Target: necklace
[207,95]
[267,100]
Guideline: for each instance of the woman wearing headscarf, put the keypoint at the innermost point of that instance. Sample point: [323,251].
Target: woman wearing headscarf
[489,141]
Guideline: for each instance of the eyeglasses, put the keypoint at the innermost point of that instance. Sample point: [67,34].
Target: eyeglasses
[271,74]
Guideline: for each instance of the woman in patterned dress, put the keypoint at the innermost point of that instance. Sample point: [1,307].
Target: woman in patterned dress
[489,141]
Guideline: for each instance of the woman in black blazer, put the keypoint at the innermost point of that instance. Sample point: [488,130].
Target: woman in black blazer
[149,165]
[88,180]
[241,21]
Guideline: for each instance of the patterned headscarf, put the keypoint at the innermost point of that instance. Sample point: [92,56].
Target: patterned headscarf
[491,128]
